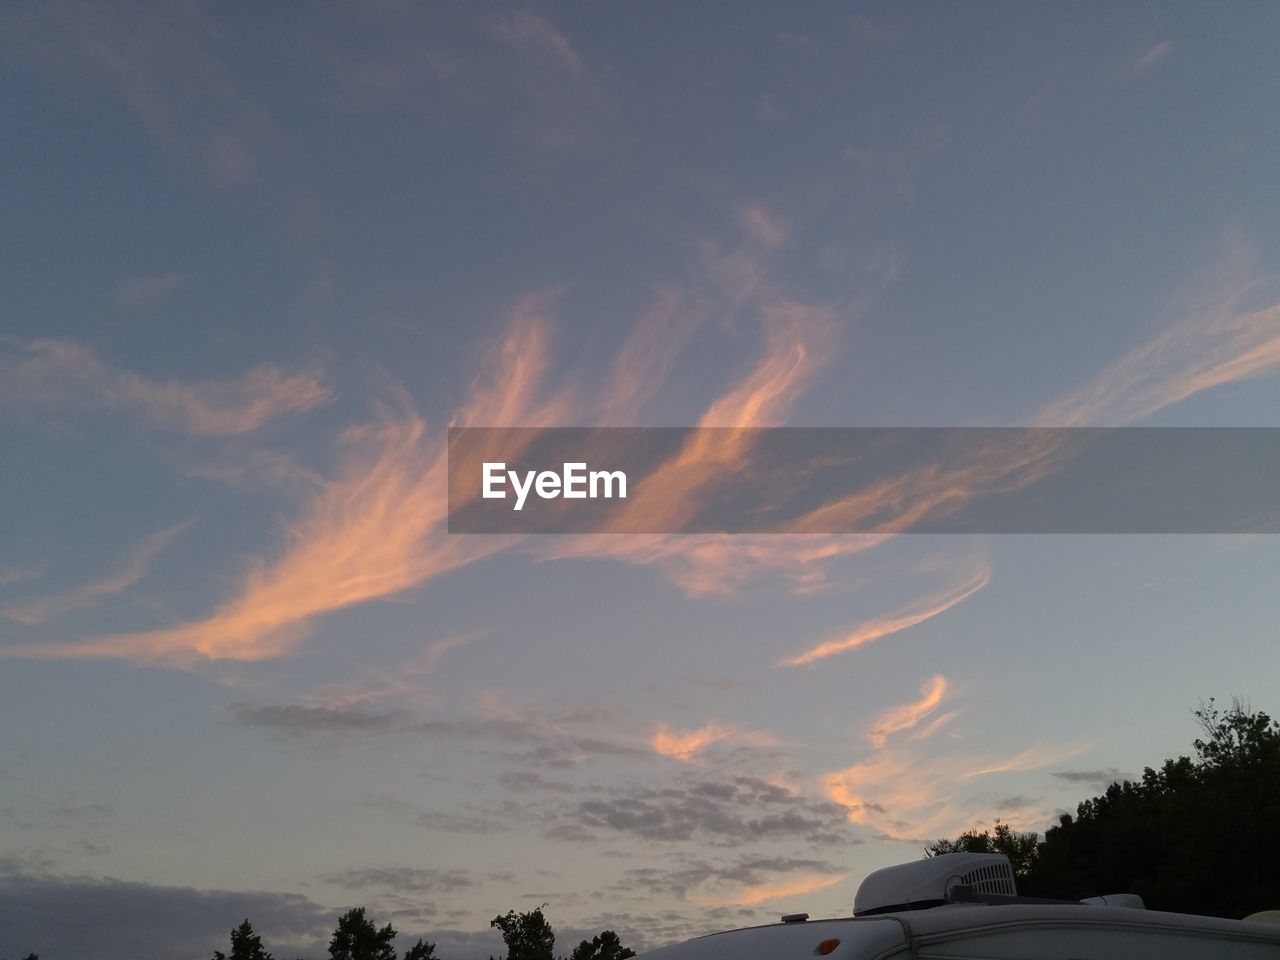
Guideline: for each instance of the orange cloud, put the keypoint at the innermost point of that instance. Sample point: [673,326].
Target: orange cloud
[686,746]
[136,566]
[676,490]
[764,892]
[907,797]
[59,375]
[639,371]
[908,715]
[1216,343]
[1030,759]
[877,629]
[373,531]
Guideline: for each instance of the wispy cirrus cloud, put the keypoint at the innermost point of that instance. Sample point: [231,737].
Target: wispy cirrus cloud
[1217,341]
[374,530]
[1153,55]
[165,69]
[903,792]
[902,795]
[689,744]
[538,36]
[61,376]
[908,715]
[149,290]
[136,566]
[752,894]
[975,578]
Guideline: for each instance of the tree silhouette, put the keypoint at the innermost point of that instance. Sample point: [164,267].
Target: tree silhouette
[528,936]
[606,946]
[421,951]
[356,938]
[1020,848]
[1197,835]
[245,945]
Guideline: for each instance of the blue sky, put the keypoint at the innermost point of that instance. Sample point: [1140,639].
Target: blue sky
[257,260]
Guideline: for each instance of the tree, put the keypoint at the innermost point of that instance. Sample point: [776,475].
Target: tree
[245,945]
[356,938]
[421,951]
[1020,848]
[606,946]
[528,936]
[1195,835]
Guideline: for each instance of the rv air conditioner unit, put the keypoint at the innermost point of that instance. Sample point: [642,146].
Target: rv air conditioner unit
[929,883]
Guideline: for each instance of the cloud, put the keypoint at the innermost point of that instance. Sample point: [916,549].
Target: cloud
[641,368]
[688,745]
[19,574]
[163,67]
[904,796]
[401,879]
[551,740]
[475,821]
[57,375]
[976,578]
[538,36]
[764,892]
[1030,759]
[371,532]
[136,566]
[1097,780]
[296,718]
[766,227]
[148,291]
[61,916]
[908,715]
[1154,55]
[746,881]
[1218,341]
[727,813]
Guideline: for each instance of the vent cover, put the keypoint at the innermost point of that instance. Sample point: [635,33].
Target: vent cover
[927,883]
[994,877]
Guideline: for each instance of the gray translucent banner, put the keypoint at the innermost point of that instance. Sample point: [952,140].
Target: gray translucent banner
[864,480]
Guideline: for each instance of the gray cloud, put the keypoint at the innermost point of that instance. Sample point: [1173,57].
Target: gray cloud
[550,744]
[727,813]
[295,718]
[77,918]
[461,823]
[1096,779]
[692,875]
[405,879]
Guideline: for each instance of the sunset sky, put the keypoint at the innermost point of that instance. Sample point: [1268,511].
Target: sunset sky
[259,258]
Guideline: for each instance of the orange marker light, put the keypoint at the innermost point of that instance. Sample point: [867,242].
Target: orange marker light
[826,946]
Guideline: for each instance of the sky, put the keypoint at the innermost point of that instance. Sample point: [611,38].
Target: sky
[259,258]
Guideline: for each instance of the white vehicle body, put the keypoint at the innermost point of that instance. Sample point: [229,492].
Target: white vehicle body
[988,930]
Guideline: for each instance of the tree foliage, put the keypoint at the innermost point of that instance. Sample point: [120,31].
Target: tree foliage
[245,945]
[528,936]
[356,938]
[422,950]
[1198,835]
[606,946]
[1019,847]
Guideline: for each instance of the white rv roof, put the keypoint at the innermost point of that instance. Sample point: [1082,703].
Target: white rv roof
[991,931]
